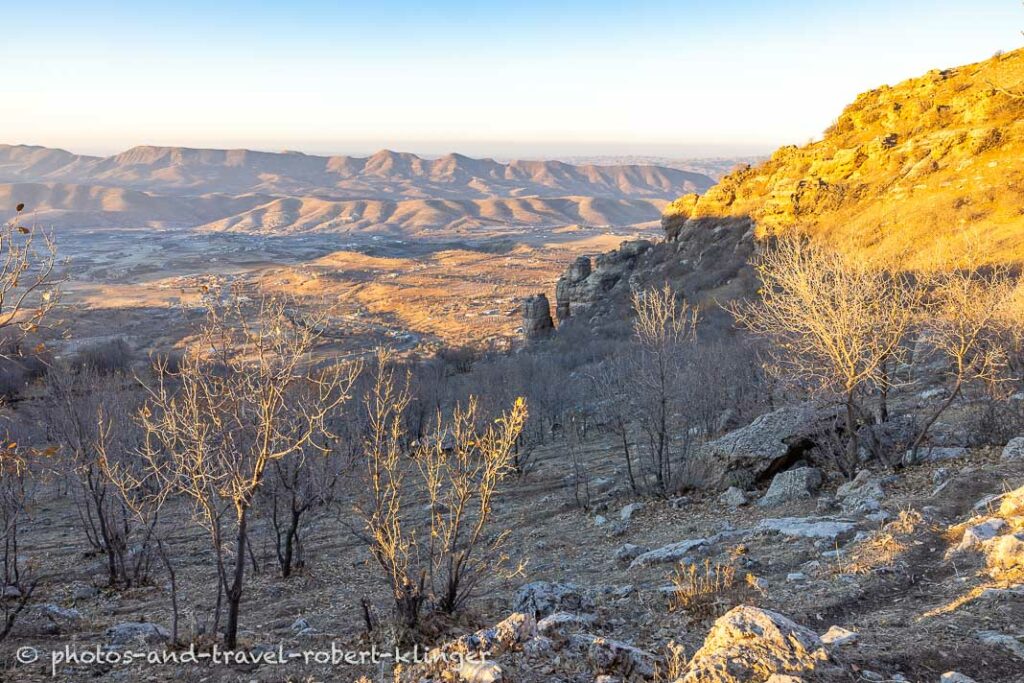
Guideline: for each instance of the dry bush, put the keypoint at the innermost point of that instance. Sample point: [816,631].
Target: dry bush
[880,552]
[456,472]
[967,315]
[673,664]
[90,418]
[701,591]
[838,323]
[243,398]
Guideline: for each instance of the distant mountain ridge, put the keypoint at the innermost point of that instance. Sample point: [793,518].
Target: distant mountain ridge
[384,175]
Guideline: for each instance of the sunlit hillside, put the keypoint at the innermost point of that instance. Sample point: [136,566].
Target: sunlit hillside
[904,171]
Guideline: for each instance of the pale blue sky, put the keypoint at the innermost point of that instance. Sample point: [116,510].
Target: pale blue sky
[501,78]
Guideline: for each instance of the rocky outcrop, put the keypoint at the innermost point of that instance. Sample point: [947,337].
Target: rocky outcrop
[770,444]
[585,284]
[537,322]
[750,644]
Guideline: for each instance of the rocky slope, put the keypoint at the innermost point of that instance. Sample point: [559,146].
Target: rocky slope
[904,173]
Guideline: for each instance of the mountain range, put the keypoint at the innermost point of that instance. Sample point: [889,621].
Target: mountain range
[244,190]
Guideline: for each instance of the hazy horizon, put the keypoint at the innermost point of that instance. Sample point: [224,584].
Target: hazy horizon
[518,80]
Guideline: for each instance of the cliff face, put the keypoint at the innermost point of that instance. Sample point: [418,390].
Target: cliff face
[904,173]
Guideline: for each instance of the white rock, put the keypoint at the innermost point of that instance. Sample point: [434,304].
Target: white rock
[480,672]
[734,497]
[838,636]
[796,577]
[795,484]
[600,520]
[1014,450]
[955,677]
[628,511]
[976,534]
[747,643]
[807,527]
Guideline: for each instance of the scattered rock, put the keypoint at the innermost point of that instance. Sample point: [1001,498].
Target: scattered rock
[1014,450]
[542,598]
[480,672]
[537,322]
[300,624]
[955,677]
[795,484]
[748,644]
[935,454]
[628,511]
[769,444]
[137,632]
[796,577]
[608,656]
[976,534]
[629,552]
[600,520]
[837,636]
[1002,640]
[734,497]
[807,527]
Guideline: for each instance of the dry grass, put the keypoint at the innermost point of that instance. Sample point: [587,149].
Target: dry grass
[701,591]
[881,551]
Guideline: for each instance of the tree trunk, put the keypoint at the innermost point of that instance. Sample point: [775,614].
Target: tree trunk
[234,592]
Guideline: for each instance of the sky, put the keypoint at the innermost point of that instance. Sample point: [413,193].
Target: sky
[526,78]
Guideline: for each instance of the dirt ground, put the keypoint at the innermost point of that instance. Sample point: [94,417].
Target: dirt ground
[917,613]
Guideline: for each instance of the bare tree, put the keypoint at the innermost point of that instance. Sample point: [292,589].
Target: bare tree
[837,322]
[28,292]
[663,323]
[967,314]
[90,418]
[243,398]
[29,288]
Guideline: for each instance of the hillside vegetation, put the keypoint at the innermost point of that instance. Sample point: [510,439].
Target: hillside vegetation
[902,173]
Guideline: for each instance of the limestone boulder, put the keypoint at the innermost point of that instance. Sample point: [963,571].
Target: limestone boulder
[751,644]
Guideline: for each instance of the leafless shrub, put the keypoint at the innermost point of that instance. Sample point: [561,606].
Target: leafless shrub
[243,398]
[90,418]
[455,471]
[967,310]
